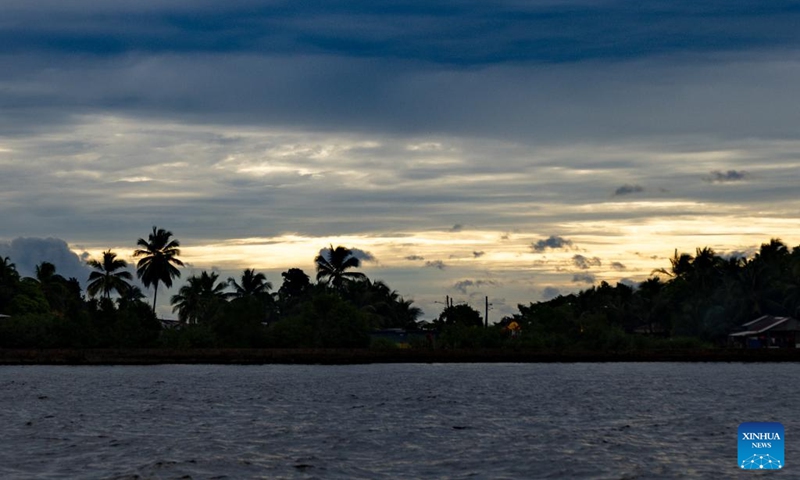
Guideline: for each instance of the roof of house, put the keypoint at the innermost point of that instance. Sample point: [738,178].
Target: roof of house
[765,323]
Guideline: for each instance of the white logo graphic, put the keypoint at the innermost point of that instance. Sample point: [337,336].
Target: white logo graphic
[761,462]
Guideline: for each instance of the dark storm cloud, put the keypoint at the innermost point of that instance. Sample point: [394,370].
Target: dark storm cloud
[446,32]
[27,253]
[628,190]
[584,263]
[554,242]
[448,67]
[726,177]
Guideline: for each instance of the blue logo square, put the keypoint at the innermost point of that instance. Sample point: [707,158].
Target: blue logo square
[761,446]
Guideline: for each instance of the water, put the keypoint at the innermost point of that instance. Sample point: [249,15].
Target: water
[581,421]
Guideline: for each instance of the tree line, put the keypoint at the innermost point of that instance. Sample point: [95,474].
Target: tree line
[338,310]
[696,302]
[699,300]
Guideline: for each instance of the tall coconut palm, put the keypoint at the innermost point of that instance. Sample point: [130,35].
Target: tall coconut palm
[332,268]
[159,257]
[110,274]
[253,284]
[199,298]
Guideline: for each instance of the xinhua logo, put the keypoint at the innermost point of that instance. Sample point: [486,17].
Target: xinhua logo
[761,446]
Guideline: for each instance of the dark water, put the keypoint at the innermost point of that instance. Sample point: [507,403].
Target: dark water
[579,421]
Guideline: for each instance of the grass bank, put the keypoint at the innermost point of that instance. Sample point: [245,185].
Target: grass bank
[229,356]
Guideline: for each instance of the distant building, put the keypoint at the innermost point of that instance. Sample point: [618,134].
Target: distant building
[768,332]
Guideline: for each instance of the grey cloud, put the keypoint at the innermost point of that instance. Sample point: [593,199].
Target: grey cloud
[463,285]
[746,252]
[436,264]
[617,266]
[457,227]
[27,253]
[478,254]
[585,263]
[628,190]
[352,93]
[550,293]
[584,278]
[726,177]
[555,242]
[415,257]
[629,282]
[363,255]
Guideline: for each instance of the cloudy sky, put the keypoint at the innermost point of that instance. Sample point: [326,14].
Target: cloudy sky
[515,149]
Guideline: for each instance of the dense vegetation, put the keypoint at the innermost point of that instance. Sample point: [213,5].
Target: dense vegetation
[701,299]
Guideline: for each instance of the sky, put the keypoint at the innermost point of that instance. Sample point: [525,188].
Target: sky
[512,149]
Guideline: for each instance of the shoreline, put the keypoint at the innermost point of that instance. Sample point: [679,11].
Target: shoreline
[231,356]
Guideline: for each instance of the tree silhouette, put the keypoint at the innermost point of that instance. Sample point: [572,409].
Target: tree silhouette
[8,271]
[159,257]
[295,283]
[130,296]
[9,279]
[196,301]
[252,284]
[46,273]
[107,276]
[461,314]
[61,294]
[332,269]
[406,315]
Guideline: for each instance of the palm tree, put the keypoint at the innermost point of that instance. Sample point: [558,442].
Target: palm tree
[130,296]
[680,265]
[159,257]
[45,273]
[8,271]
[333,269]
[106,277]
[9,278]
[406,315]
[197,299]
[253,284]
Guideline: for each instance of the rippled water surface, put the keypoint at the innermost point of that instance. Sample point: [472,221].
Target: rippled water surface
[390,421]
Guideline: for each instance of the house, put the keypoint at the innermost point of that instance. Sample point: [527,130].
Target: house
[768,332]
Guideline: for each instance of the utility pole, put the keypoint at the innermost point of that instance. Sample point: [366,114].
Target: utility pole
[486,317]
